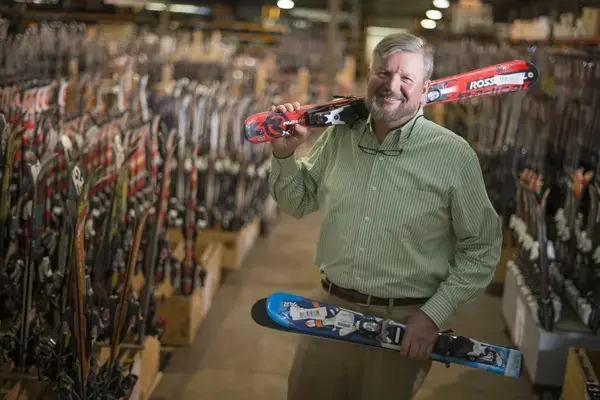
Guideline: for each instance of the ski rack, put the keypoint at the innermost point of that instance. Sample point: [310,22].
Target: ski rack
[542,350]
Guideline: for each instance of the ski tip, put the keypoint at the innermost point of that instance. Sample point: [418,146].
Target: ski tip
[261,317]
[282,299]
[278,306]
[253,132]
[259,311]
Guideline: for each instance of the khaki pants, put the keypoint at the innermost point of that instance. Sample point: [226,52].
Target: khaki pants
[330,370]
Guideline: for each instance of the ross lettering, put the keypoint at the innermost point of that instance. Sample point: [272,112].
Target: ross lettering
[294,121]
[481,83]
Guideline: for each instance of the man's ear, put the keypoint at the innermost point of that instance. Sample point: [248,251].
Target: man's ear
[426,87]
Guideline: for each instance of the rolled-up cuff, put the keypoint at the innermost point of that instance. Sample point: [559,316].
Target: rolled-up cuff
[283,165]
[438,309]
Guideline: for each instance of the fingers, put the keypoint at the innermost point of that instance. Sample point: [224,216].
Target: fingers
[287,107]
[415,348]
[405,346]
[301,130]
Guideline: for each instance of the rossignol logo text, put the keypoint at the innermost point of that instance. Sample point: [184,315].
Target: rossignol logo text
[481,83]
[295,121]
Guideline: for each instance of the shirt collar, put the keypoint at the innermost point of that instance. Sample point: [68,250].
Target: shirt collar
[399,135]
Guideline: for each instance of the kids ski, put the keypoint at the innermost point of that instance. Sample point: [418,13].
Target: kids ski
[297,314]
[511,76]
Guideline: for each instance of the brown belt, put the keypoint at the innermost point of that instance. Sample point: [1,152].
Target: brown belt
[353,296]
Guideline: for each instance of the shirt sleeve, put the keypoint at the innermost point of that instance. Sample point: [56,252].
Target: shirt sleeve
[294,183]
[479,242]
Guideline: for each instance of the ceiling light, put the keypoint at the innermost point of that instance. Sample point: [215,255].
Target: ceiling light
[189,9]
[441,3]
[178,8]
[434,14]
[428,24]
[285,4]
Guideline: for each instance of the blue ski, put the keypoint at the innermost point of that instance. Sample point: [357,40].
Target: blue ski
[296,314]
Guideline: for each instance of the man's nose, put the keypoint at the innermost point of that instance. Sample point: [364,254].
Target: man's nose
[394,83]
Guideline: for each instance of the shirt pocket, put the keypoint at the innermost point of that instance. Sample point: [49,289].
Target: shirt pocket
[424,216]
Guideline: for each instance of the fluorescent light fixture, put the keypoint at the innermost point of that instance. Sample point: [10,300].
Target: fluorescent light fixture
[285,4]
[189,9]
[428,24]
[156,6]
[434,14]
[178,8]
[441,3]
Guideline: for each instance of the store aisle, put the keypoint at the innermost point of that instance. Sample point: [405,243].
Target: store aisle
[233,358]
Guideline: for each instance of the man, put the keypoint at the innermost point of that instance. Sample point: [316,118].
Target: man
[408,231]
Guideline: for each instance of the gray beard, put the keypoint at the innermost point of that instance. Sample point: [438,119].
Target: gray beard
[379,115]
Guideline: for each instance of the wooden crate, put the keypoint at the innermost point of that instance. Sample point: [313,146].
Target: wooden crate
[236,245]
[582,368]
[146,365]
[16,388]
[14,391]
[210,257]
[184,314]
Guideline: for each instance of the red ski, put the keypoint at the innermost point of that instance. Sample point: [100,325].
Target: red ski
[511,76]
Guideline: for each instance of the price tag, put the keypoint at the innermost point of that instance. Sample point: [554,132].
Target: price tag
[310,313]
[510,79]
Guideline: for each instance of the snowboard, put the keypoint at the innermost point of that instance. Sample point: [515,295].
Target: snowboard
[296,314]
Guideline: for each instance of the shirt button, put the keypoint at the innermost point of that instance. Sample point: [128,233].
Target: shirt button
[358,278]
[362,249]
[373,188]
[367,219]
[380,158]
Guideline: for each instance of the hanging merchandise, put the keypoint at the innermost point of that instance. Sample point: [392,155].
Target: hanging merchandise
[218,181]
[102,152]
[540,154]
[64,167]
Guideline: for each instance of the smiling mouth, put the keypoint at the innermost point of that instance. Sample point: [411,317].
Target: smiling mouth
[389,99]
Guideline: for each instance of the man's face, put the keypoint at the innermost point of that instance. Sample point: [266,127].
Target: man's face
[396,87]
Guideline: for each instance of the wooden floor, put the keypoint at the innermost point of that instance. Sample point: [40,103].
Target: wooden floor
[233,358]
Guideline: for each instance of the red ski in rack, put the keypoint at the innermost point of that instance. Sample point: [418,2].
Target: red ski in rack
[511,76]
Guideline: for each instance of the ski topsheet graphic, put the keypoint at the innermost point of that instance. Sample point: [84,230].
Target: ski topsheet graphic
[511,76]
[296,314]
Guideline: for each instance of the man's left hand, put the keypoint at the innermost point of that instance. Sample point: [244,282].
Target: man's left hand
[419,337]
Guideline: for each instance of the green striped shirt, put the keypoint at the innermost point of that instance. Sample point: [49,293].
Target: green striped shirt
[415,225]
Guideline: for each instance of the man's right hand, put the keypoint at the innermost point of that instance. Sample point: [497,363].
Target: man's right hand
[285,146]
